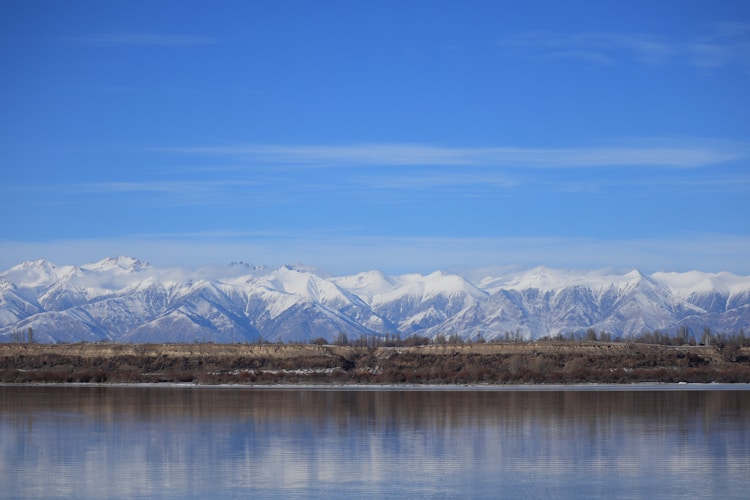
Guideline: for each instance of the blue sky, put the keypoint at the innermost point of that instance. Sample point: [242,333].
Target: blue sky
[405,136]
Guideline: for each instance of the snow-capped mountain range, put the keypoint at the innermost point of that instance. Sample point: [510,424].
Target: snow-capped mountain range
[123,299]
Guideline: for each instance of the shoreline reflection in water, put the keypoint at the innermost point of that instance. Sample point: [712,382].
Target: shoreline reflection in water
[156,442]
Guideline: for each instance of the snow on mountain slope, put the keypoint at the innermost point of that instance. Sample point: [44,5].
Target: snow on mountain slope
[291,296]
[35,274]
[305,284]
[116,265]
[548,279]
[14,307]
[368,284]
[554,301]
[122,298]
[711,293]
[176,326]
[696,282]
[413,303]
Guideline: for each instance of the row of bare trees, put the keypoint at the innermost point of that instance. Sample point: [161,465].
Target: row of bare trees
[20,336]
[683,336]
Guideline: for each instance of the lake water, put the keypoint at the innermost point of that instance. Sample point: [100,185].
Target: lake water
[230,442]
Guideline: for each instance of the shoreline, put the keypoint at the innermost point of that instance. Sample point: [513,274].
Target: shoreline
[627,387]
[471,365]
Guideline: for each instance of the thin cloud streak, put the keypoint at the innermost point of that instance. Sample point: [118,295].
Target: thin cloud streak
[141,39]
[175,187]
[257,185]
[728,45]
[725,46]
[155,194]
[347,255]
[428,181]
[600,48]
[384,155]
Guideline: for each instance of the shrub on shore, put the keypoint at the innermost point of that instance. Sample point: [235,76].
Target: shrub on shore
[541,363]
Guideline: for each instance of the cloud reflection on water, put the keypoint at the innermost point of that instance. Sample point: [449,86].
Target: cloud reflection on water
[126,442]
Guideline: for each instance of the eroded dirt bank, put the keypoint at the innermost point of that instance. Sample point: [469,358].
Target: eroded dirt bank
[542,363]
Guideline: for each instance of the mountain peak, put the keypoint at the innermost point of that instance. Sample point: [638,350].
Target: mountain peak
[121,296]
[635,274]
[34,264]
[304,269]
[123,264]
[34,273]
[247,265]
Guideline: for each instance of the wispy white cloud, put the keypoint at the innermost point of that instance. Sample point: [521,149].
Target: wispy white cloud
[731,29]
[141,39]
[446,180]
[147,193]
[584,55]
[599,48]
[712,55]
[282,175]
[113,89]
[724,45]
[728,44]
[651,185]
[339,254]
[668,154]
[333,155]
[174,187]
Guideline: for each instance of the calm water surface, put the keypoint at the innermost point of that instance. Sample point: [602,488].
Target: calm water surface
[159,442]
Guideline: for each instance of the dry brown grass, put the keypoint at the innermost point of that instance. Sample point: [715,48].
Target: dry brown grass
[528,363]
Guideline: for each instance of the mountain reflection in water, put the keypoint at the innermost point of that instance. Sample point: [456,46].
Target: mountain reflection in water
[173,442]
